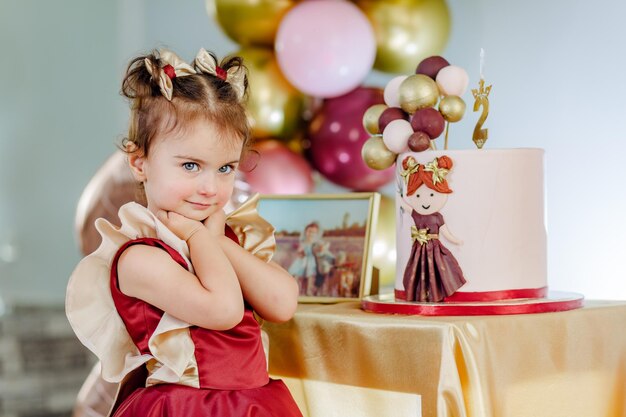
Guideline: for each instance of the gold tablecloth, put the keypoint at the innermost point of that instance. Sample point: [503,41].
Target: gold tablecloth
[566,364]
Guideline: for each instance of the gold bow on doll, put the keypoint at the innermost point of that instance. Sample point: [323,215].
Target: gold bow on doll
[439,174]
[422,235]
[412,168]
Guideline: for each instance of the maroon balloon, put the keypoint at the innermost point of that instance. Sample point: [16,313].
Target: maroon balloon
[430,66]
[279,170]
[419,141]
[429,121]
[389,115]
[337,136]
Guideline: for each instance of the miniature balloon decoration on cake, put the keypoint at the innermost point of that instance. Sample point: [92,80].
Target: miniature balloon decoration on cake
[371,117]
[389,115]
[396,135]
[469,239]
[419,107]
[431,66]
[391,93]
[429,121]
[419,141]
[376,155]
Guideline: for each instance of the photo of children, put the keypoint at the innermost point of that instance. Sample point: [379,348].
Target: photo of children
[322,242]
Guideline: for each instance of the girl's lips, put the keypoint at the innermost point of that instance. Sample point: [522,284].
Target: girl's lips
[199,205]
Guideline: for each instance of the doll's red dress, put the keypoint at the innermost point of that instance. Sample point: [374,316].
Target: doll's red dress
[432,272]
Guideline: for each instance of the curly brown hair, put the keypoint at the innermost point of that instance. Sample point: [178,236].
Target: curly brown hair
[199,96]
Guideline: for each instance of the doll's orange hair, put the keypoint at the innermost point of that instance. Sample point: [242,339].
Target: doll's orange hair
[421,176]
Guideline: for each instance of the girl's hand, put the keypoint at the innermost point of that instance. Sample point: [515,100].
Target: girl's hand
[216,223]
[181,226]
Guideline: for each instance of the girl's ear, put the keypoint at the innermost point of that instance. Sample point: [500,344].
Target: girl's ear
[136,161]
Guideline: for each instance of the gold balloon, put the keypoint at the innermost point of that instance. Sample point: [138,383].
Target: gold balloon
[376,155]
[275,106]
[250,22]
[384,249]
[417,92]
[452,108]
[407,31]
[370,118]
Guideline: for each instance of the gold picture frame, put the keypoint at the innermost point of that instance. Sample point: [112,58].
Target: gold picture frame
[325,241]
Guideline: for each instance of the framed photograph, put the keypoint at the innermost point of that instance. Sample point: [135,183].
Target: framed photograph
[325,242]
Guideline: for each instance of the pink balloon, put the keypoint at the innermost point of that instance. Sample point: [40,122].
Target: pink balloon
[452,81]
[279,170]
[337,136]
[325,48]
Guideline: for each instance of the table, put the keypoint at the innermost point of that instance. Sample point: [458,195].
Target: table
[566,364]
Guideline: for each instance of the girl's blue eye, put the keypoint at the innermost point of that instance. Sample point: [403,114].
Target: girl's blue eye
[226,169]
[190,166]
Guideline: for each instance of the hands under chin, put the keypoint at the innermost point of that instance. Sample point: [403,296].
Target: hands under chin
[184,227]
[215,223]
[181,226]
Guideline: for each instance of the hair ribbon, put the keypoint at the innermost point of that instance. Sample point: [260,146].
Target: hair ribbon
[204,62]
[235,76]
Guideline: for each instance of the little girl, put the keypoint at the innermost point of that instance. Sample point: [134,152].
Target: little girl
[325,261]
[304,267]
[432,273]
[167,300]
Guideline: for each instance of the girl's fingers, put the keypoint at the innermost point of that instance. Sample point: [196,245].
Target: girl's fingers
[162,215]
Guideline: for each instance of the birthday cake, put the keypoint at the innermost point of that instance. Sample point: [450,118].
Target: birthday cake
[470,225]
[471,235]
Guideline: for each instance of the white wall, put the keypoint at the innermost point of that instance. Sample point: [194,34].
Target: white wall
[556,68]
[58,103]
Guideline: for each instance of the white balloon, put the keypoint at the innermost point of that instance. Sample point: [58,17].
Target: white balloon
[392,91]
[452,81]
[396,135]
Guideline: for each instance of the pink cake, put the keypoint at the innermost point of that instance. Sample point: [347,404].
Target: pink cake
[471,235]
[491,238]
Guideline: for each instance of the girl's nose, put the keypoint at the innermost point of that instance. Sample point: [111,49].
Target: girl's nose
[207,185]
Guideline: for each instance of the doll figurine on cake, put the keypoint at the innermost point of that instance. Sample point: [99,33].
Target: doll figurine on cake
[431,273]
[418,109]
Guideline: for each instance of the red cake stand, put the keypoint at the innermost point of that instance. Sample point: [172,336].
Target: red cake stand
[553,302]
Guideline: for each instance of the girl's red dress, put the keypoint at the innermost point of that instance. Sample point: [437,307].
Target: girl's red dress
[164,366]
[231,364]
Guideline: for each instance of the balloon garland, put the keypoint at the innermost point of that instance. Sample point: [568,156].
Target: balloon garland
[302,52]
[419,107]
